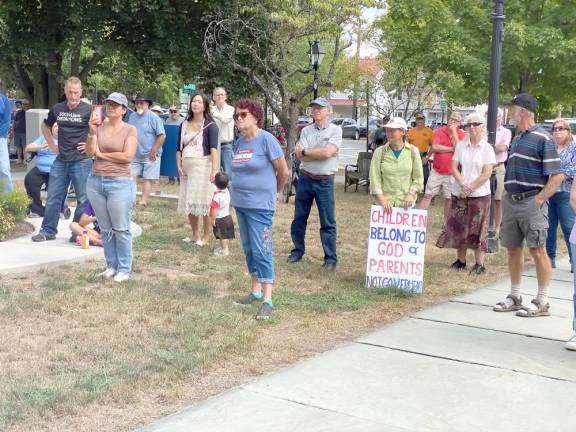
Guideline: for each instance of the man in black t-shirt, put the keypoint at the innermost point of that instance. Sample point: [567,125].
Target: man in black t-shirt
[72,164]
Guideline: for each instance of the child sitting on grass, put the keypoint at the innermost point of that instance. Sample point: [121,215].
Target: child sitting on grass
[88,217]
[220,214]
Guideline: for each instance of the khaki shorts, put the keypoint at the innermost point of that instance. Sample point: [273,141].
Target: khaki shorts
[523,222]
[437,181]
[500,173]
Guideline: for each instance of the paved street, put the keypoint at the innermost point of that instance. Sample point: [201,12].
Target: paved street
[455,367]
[349,151]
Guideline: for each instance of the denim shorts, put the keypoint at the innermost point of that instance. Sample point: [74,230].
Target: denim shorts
[147,169]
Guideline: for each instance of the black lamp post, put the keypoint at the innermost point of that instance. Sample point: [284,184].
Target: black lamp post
[497,38]
[316,56]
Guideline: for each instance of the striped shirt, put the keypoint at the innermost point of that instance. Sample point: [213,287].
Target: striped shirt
[533,158]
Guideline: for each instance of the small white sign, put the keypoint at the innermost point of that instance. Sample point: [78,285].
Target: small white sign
[396,246]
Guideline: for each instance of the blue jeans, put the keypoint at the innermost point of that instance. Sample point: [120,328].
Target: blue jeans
[5,177]
[61,174]
[573,249]
[112,199]
[559,211]
[256,234]
[322,191]
[226,156]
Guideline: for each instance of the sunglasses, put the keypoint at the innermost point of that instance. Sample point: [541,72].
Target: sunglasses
[559,129]
[241,115]
[475,124]
[173,111]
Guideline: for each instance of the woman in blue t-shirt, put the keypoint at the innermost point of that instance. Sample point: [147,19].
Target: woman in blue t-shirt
[259,171]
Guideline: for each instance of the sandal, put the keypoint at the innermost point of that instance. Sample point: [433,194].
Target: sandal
[509,306]
[528,312]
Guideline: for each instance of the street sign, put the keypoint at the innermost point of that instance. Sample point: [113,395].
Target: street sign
[189,88]
[443,105]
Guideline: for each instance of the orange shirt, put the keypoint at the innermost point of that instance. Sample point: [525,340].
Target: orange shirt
[421,138]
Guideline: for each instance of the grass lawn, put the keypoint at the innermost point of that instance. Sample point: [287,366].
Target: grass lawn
[78,354]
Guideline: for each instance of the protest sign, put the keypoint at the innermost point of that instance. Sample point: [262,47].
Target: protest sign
[396,245]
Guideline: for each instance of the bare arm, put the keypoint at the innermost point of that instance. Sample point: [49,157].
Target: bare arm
[49,138]
[551,187]
[281,173]
[125,156]
[157,145]
[214,160]
[437,148]
[316,154]
[481,179]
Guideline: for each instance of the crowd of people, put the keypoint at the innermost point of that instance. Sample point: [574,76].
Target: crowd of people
[225,159]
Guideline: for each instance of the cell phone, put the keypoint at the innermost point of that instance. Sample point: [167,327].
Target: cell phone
[98,113]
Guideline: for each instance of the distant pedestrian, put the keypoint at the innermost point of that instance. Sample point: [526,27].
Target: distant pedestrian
[111,189]
[197,159]
[503,138]
[396,169]
[421,137]
[260,172]
[72,164]
[533,174]
[379,135]
[222,223]
[19,129]
[317,151]
[156,109]
[559,209]
[444,143]
[223,116]
[467,225]
[175,119]
[151,136]
[5,121]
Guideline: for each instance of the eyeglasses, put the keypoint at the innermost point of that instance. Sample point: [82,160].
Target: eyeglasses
[475,124]
[455,120]
[241,115]
[560,129]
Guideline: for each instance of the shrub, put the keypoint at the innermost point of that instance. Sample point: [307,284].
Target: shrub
[7,223]
[15,203]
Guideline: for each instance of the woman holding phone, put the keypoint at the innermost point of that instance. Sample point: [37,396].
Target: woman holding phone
[110,187]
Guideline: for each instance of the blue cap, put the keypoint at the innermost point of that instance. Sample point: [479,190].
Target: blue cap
[320,102]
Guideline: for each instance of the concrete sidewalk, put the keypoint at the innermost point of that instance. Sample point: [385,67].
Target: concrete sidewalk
[457,366]
[22,254]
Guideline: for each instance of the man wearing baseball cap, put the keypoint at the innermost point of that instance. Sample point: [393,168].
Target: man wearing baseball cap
[532,175]
[317,150]
[421,137]
[151,135]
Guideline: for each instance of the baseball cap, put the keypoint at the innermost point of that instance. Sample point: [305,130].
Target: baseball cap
[524,100]
[396,123]
[420,116]
[119,98]
[156,107]
[320,101]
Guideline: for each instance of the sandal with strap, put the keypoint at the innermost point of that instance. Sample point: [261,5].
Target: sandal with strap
[528,312]
[506,306]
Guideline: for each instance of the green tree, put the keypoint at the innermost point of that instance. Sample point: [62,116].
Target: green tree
[452,38]
[268,42]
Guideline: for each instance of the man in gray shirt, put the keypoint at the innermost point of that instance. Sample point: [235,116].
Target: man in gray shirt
[317,150]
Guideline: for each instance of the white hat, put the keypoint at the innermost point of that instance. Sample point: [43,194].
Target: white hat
[396,123]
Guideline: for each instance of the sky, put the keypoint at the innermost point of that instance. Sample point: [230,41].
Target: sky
[367,49]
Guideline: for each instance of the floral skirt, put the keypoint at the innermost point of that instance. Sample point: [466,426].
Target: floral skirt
[196,190]
[467,225]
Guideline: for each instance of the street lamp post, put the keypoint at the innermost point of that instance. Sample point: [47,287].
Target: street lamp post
[497,38]
[316,56]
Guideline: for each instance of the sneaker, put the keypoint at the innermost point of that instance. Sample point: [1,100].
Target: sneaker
[292,258]
[121,277]
[221,252]
[43,237]
[247,300]
[571,344]
[108,273]
[458,265]
[264,312]
[478,269]
[33,215]
[553,262]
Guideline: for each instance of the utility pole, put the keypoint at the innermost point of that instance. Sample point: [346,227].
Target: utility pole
[497,39]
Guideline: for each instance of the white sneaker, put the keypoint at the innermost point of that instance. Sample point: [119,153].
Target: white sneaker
[571,344]
[108,273]
[186,240]
[121,277]
[221,252]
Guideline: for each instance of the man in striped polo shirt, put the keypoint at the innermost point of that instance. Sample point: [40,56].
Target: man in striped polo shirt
[532,176]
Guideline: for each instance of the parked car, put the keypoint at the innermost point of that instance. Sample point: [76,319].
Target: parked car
[571,121]
[372,126]
[349,127]
[302,123]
